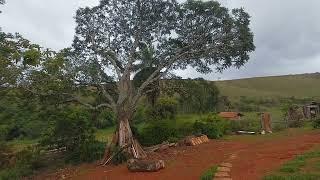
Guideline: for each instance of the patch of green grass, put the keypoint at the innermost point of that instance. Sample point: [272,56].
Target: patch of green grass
[296,168]
[209,174]
[21,144]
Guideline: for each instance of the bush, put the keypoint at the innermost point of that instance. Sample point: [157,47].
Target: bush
[4,158]
[157,132]
[87,152]
[74,132]
[316,123]
[165,108]
[213,126]
[105,119]
[4,130]
[246,125]
[26,162]
[140,115]
[185,129]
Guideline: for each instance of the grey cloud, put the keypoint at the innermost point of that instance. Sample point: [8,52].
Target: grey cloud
[49,23]
[287,32]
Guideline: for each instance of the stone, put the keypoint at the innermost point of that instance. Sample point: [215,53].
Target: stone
[222,174]
[139,165]
[223,169]
[229,165]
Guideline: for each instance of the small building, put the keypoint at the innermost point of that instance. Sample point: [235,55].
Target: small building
[231,115]
[311,110]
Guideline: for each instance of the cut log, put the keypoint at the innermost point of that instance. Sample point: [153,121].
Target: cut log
[160,147]
[192,141]
[138,165]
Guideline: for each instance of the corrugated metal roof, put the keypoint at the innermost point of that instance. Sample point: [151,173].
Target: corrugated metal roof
[230,115]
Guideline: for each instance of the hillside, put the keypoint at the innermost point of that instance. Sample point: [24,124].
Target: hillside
[300,86]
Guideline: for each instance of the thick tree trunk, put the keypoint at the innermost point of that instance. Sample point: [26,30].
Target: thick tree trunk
[125,141]
[123,137]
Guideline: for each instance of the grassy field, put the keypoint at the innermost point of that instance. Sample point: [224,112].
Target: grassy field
[304,167]
[300,86]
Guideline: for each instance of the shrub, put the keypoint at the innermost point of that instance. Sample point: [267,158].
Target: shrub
[75,133]
[105,119]
[26,162]
[4,130]
[157,132]
[316,123]
[88,151]
[4,158]
[246,125]
[185,129]
[33,129]
[165,108]
[140,115]
[213,126]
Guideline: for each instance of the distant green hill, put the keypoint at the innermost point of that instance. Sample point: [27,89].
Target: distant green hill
[300,86]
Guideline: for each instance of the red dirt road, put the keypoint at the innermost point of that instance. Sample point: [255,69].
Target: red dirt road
[255,157]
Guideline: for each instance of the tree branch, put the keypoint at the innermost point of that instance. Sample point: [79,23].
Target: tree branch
[89,106]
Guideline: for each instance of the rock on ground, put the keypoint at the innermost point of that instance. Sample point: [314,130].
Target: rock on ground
[137,165]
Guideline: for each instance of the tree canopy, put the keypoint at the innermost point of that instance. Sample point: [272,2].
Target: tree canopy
[112,37]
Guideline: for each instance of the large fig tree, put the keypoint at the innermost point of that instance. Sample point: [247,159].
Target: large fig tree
[111,38]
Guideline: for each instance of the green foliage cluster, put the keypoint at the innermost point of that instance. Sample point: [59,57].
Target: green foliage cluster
[165,108]
[213,126]
[69,129]
[209,174]
[246,124]
[26,163]
[168,130]
[73,131]
[105,119]
[157,132]
[194,95]
[4,151]
[21,115]
[316,123]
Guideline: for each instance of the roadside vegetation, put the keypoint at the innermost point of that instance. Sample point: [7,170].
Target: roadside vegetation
[209,174]
[304,167]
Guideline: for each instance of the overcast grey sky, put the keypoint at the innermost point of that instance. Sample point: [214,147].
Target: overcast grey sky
[287,32]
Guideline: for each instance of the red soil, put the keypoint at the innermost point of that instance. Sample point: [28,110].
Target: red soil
[254,159]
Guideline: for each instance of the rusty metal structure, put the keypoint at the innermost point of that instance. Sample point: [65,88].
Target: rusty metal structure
[312,110]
